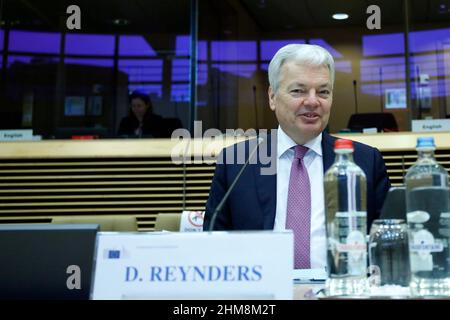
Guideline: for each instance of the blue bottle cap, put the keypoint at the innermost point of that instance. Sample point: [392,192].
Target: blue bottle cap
[425,142]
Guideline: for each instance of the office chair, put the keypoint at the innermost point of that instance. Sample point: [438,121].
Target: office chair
[106,222]
[382,121]
[168,222]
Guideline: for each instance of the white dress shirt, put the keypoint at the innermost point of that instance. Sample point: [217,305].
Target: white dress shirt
[314,165]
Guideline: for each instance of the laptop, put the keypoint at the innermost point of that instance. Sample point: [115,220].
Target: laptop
[47,261]
[433,200]
[394,206]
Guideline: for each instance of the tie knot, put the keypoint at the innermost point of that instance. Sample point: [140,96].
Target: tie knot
[300,151]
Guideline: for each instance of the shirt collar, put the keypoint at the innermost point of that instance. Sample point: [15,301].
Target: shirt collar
[285,143]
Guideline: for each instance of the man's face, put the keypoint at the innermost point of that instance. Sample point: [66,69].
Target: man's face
[302,103]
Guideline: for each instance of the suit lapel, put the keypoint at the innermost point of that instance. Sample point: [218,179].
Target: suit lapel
[327,150]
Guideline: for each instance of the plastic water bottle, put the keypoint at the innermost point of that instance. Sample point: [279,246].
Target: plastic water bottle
[345,206]
[428,216]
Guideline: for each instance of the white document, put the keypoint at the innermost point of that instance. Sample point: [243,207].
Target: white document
[310,275]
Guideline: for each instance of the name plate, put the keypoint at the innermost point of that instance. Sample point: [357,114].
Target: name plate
[16,135]
[431,125]
[197,265]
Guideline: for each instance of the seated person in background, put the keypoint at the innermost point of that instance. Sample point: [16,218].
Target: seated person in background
[142,122]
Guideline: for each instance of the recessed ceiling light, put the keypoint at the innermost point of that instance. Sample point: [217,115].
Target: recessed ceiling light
[340,16]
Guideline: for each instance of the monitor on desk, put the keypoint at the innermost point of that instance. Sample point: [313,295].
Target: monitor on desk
[47,261]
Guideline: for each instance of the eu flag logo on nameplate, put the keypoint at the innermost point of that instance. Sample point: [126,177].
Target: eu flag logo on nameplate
[114,254]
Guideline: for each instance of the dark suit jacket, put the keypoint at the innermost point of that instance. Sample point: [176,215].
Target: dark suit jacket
[252,203]
[152,126]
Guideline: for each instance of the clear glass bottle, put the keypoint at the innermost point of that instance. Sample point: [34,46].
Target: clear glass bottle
[428,216]
[345,207]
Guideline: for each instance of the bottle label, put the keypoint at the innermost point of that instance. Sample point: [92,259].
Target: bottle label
[355,243]
[421,247]
[347,243]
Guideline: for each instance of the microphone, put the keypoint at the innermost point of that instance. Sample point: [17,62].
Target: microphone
[227,194]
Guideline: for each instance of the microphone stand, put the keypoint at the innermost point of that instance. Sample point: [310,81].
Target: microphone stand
[356,97]
[256,108]
[227,194]
[184,174]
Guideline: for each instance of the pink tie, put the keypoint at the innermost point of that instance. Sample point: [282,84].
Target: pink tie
[298,217]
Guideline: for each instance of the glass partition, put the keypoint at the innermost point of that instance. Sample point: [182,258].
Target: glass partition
[68,72]
[63,81]
[429,46]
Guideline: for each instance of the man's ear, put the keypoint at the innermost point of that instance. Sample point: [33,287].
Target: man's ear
[271,94]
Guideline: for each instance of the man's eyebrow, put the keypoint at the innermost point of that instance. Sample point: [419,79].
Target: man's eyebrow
[298,84]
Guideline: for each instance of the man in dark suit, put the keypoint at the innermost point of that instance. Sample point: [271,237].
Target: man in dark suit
[301,81]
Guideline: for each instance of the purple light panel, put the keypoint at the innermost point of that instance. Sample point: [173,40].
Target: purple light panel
[142,70]
[383,44]
[181,72]
[270,47]
[29,59]
[241,70]
[344,66]
[90,62]
[233,51]
[385,69]
[2,39]
[135,46]
[377,89]
[23,59]
[435,65]
[393,43]
[183,44]
[89,44]
[180,92]
[431,64]
[428,40]
[34,42]
[264,66]
[439,88]
[326,45]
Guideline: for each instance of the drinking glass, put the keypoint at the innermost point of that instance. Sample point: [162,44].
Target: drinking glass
[389,253]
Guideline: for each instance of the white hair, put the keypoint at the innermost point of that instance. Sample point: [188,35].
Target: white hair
[308,54]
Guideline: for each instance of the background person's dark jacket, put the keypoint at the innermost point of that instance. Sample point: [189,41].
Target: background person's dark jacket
[153,126]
